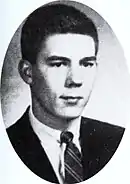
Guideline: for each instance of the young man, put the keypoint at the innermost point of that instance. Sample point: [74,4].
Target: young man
[59,46]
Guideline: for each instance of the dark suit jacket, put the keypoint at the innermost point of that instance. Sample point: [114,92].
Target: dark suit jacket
[98,142]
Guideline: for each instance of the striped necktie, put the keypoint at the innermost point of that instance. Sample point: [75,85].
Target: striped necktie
[72,160]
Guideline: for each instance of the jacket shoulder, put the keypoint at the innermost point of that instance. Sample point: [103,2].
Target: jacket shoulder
[19,130]
[102,128]
[100,140]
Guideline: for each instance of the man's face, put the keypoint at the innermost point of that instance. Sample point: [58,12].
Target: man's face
[64,73]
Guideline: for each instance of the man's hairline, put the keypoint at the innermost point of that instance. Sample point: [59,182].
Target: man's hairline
[42,45]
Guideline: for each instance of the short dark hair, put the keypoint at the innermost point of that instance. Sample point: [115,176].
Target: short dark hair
[53,19]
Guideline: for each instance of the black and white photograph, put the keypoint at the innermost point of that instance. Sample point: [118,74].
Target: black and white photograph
[65,92]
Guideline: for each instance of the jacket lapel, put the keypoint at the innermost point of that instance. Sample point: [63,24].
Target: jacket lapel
[38,158]
[29,149]
[99,142]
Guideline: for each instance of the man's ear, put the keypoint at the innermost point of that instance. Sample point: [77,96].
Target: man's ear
[25,70]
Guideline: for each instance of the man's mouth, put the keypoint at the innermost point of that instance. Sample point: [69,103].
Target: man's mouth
[71,99]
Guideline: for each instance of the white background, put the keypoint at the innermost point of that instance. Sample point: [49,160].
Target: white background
[116,13]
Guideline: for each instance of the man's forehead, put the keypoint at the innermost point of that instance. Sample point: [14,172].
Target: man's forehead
[69,38]
[69,44]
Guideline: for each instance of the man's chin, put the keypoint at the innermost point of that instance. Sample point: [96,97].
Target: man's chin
[71,114]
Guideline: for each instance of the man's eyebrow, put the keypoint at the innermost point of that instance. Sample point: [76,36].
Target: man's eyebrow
[56,58]
[91,58]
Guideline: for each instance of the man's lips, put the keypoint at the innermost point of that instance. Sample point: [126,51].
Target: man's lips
[71,97]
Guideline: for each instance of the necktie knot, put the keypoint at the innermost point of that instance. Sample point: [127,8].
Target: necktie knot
[66,137]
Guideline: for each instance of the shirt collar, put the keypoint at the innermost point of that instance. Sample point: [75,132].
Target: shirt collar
[39,128]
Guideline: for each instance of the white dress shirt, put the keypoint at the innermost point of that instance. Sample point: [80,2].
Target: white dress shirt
[50,141]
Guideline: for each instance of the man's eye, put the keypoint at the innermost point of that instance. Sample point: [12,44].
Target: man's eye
[87,64]
[58,64]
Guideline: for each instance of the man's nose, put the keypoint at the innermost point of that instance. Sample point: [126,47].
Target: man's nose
[73,78]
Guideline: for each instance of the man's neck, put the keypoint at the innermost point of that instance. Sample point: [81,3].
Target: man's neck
[49,119]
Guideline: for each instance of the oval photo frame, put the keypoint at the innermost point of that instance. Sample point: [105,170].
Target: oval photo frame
[116,69]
